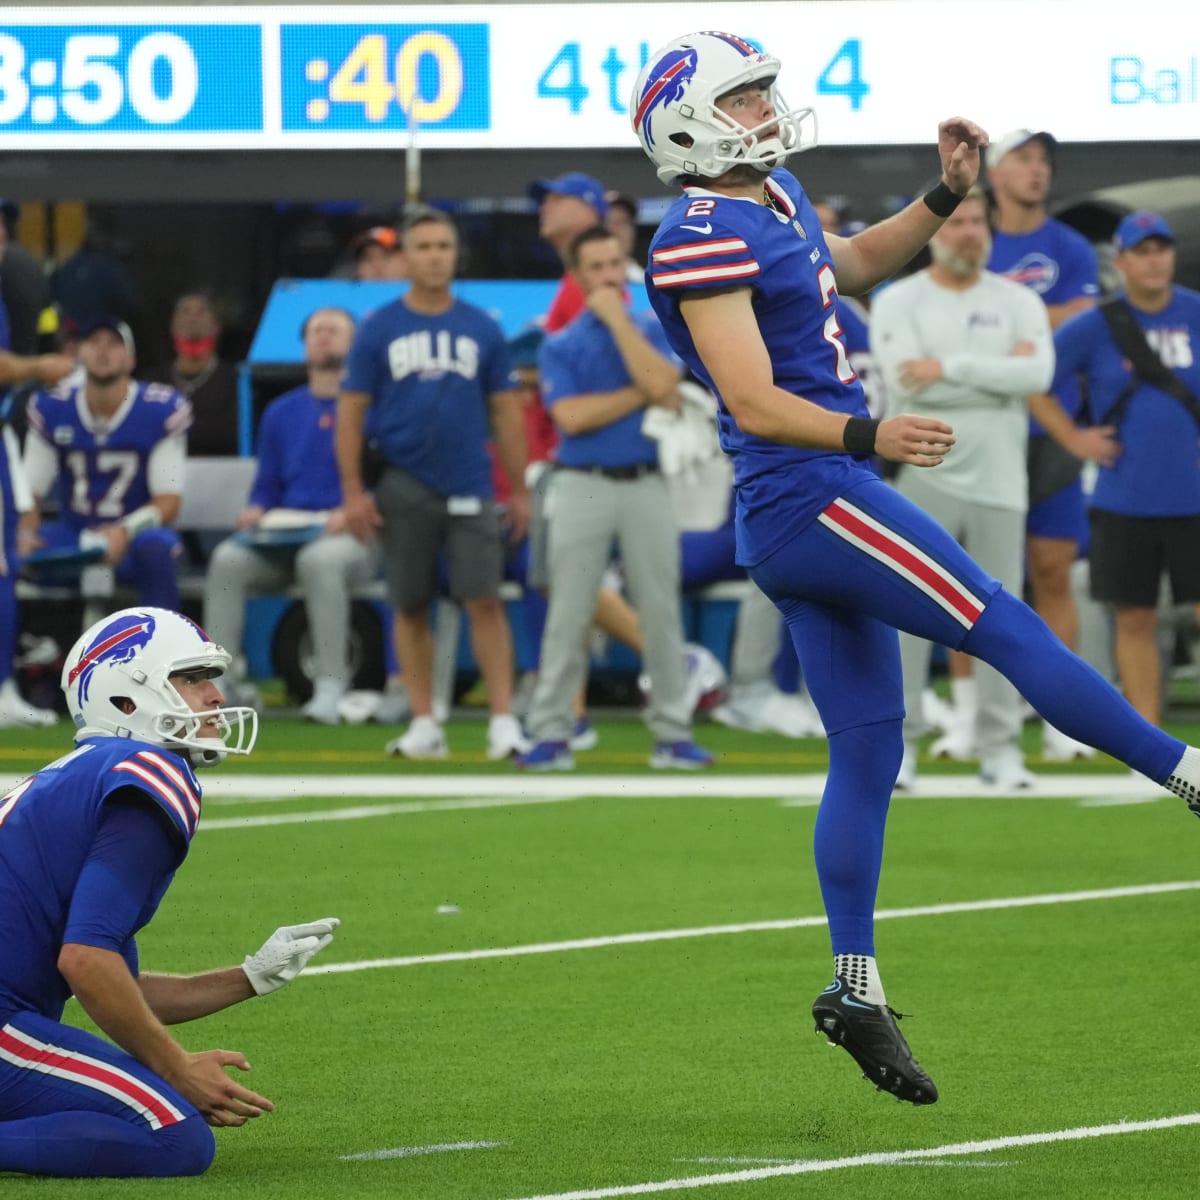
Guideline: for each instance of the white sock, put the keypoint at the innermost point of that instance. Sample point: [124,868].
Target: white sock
[424,723]
[862,975]
[1185,779]
[965,699]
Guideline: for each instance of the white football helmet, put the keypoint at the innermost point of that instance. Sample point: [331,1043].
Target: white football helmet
[674,112]
[130,656]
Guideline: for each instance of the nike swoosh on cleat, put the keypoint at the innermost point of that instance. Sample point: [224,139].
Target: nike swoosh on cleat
[705,228]
[850,1002]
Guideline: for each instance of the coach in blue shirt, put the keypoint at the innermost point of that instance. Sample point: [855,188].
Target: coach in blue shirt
[1145,513]
[434,375]
[598,376]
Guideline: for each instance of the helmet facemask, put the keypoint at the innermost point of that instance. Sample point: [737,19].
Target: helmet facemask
[747,147]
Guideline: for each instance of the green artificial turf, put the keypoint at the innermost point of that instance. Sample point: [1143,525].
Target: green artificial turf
[621,1065]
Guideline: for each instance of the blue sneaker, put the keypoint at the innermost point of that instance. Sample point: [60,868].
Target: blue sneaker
[585,736]
[681,756]
[546,756]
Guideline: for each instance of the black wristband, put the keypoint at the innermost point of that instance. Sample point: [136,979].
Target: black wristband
[941,201]
[858,435]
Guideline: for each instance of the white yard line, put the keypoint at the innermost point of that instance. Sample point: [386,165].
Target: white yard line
[415,1151]
[884,1159]
[1117,801]
[237,788]
[749,1162]
[359,812]
[670,935]
[465,792]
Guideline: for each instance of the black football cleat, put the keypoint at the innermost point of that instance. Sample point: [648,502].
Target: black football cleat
[870,1035]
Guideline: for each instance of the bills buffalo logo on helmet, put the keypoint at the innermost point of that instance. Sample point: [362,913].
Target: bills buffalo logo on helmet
[116,642]
[665,84]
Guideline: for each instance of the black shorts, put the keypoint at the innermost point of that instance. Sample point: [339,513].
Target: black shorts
[418,524]
[1129,556]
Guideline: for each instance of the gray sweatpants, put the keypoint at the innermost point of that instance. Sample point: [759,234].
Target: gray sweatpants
[585,513]
[328,569]
[995,538]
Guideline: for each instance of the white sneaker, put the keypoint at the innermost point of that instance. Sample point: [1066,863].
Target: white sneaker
[394,705]
[358,707]
[906,778]
[505,738]
[746,707]
[791,716]
[706,679]
[937,713]
[1006,772]
[957,743]
[1058,747]
[424,738]
[16,710]
[324,707]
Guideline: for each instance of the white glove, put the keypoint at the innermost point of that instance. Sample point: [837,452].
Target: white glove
[286,953]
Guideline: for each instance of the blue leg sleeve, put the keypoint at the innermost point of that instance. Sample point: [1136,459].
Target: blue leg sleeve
[848,839]
[1065,690]
[95,1145]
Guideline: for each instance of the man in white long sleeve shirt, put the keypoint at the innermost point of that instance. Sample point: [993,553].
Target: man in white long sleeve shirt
[973,346]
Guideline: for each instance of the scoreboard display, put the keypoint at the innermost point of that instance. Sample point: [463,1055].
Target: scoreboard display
[512,76]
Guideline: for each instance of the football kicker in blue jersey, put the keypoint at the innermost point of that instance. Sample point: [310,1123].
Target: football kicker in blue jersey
[746,286]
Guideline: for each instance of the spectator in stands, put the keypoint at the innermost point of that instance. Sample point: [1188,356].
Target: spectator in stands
[15,499]
[622,223]
[433,374]
[598,377]
[968,346]
[95,282]
[569,205]
[113,450]
[1143,410]
[1058,264]
[24,291]
[378,255]
[198,371]
[294,528]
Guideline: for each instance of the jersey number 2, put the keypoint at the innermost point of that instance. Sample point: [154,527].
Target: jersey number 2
[833,331]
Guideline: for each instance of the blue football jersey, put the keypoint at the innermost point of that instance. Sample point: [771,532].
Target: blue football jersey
[711,241]
[297,467]
[429,378]
[1053,260]
[47,826]
[1158,471]
[102,468]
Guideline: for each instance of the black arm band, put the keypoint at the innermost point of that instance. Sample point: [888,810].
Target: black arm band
[941,201]
[858,435]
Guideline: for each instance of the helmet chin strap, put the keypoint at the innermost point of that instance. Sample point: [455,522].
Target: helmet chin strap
[177,730]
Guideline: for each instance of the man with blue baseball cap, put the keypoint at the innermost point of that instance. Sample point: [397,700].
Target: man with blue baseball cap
[1135,228]
[1058,263]
[568,204]
[1139,357]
